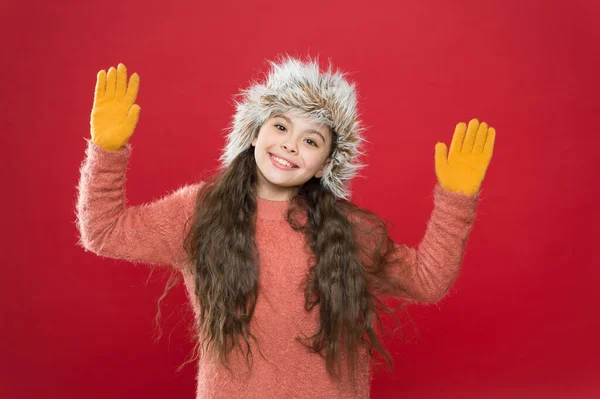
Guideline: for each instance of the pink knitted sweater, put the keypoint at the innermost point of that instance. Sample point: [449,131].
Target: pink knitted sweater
[153,233]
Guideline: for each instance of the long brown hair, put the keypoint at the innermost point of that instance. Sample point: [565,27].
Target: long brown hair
[351,251]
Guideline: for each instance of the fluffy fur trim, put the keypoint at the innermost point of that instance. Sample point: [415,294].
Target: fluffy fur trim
[325,96]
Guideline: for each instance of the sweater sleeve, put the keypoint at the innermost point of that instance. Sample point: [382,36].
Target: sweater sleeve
[426,273]
[149,233]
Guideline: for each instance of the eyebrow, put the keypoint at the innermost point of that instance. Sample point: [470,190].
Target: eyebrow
[291,123]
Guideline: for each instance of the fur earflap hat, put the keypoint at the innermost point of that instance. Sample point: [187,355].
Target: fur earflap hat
[324,96]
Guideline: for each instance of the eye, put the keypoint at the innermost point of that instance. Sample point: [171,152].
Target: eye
[312,142]
[278,126]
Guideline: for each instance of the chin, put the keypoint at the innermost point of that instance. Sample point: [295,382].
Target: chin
[280,182]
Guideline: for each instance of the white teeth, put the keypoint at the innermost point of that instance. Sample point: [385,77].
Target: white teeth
[282,162]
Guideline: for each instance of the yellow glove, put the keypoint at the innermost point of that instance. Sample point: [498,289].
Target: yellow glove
[464,169]
[114,114]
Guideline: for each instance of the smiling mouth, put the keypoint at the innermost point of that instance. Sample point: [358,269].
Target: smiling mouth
[282,162]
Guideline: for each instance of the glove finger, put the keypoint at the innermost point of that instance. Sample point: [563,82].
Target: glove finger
[111,84]
[132,89]
[100,86]
[458,137]
[132,119]
[488,149]
[121,82]
[470,137]
[441,154]
[482,133]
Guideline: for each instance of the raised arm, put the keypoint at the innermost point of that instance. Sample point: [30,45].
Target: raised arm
[149,233]
[426,273]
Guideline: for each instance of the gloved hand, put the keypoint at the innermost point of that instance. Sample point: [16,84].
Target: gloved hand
[114,114]
[464,169]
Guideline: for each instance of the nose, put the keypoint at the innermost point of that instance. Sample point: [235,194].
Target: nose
[289,146]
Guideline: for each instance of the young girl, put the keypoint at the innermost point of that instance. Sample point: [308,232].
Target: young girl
[276,260]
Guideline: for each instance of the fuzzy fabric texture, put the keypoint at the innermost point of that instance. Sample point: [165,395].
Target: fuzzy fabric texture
[325,96]
[153,233]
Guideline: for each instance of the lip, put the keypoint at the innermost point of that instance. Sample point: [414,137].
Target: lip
[279,165]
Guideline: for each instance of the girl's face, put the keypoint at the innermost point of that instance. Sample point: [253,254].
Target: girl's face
[290,150]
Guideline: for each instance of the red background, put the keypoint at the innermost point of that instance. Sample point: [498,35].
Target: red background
[522,319]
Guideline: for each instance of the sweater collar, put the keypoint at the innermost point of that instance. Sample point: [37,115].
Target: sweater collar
[271,210]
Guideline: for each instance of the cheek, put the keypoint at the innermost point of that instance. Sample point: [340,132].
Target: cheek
[265,141]
[315,161]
